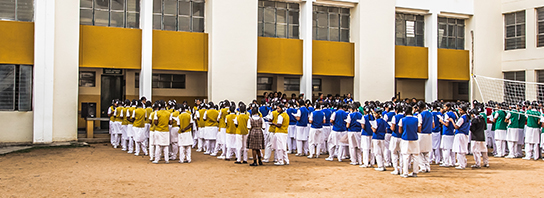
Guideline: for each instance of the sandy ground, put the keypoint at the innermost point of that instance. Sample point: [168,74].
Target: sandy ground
[101,171]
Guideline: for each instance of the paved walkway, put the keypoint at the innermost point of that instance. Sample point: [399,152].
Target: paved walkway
[11,149]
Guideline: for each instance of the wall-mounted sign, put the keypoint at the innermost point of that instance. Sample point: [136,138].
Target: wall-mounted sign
[112,71]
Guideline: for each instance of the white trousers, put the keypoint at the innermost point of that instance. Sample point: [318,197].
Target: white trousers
[480,157]
[302,147]
[501,147]
[512,148]
[151,145]
[378,150]
[280,147]
[241,152]
[447,157]
[185,153]
[425,161]
[158,153]
[406,163]
[462,160]
[387,152]
[270,145]
[532,150]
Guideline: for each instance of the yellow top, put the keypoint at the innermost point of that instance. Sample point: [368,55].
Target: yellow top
[163,117]
[148,110]
[284,123]
[201,122]
[231,128]
[139,118]
[150,117]
[131,111]
[272,128]
[211,118]
[112,117]
[242,124]
[174,122]
[222,122]
[117,113]
[125,121]
[184,121]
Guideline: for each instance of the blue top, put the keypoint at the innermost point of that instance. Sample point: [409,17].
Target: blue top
[311,109]
[368,127]
[390,116]
[396,132]
[409,128]
[448,130]
[264,110]
[381,127]
[437,125]
[317,119]
[339,124]
[292,119]
[426,122]
[303,121]
[354,124]
[348,100]
[465,127]
[328,114]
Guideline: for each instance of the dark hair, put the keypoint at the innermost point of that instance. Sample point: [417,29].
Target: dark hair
[242,107]
[408,110]
[254,111]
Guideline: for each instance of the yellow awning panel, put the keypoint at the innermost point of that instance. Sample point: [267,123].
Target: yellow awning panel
[16,42]
[333,58]
[453,64]
[279,56]
[411,62]
[110,47]
[186,51]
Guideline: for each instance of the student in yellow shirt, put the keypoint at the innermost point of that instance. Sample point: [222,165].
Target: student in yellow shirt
[201,132]
[124,125]
[230,132]
[221,136]
[282,124]
[185,139]
[210,126]
[130,126]
[152,131]
[174,128]
[116,124]
[148,110]
[162,134]
[111,109]
[241,134]
[139,117]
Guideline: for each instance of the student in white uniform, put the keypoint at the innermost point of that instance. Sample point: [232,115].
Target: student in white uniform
[448,136]
[139,117]
[479,147]
[460,143]
[532,137]
[162,133]
[185,138]
[302,126]
[394,144]
[353,125]
[111,109]
[379,127]
[426,121]
[316,120]
[409,145]
[174,129]
[281,124]
[366,137]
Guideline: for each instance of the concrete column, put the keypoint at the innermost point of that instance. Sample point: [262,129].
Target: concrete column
[56,70]
[146,72]
[232,49]
[531,90]
[306,16]
[374,50]
[431,42]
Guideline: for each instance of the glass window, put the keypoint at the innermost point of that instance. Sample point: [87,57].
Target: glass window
[331,23]
[316,84]
[514,91]
[178,15]
[409,30]
[137,80]
[16,87]
[540,79]
[87,79]
[17,10]
[113,13]
[264,83]
[514,30]
[540,27]
[291,84]
[451,33]
[278,19]
[168,81]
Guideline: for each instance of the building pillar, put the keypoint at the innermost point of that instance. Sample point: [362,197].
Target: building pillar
[531,92]
[431,41]
[306,16]
[146,71]
[56,70]
[232,49]
[374,50]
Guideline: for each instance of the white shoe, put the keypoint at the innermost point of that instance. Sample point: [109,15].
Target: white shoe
[329,159]
[136,154]
[525,158]
[395,172]
[363,166]
[412,174]
[354,163]
[124,149]
[404,175]
[509,157]
[155,162]
[265,161]
[114,146]
[380,169]
[166,162]
[279,164]
[298,154]
[221,157]
[180,161]
[459,167]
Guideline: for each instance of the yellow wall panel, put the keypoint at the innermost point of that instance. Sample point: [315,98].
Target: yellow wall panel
[333,58]
[16,42]
[279,56]
[110,47]
[453,64]
[187,51]
[411,62]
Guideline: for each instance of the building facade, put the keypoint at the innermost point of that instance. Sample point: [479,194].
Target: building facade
[57,54]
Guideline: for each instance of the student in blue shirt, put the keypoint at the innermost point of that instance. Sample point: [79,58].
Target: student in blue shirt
[460,143]
[291,130]
[388,115]
[379,127]
[394,144]
[426,121]
[338,121]
[436,134]
[316,119]
[353,124]
[302,129]
[326,127]
[409,145]
[366,136]
[446,143]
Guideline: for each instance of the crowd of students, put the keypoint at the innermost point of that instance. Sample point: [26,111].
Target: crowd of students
[404,135]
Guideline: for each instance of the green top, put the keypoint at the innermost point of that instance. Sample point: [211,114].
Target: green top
[493,124]
[522,120]
[514,119]
[500,123]
[533,118]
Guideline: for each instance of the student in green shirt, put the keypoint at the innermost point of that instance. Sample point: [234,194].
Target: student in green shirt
[512,133]
[532,134]
[500,130]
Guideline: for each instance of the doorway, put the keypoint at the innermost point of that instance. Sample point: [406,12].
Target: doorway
[111,88]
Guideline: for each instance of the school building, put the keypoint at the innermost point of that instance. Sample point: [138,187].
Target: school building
[57,54]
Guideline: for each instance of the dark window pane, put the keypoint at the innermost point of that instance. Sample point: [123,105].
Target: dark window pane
[86,17]
[540,13]
[345,21]
[184,23]
[169,22]
[510,19]
[133,5]
[25,10]
[322,20]
[344,35]
[281,5]
[178,85]
[198,9]
[101,18]
[85,3]
[102,4]
[293,17]
[25,88]
[460,31]
[451,43]
[165,77]
[420,40]
[133,20]
[198,24]
[117,19]
[540,41]
[184,8]
[86,79]
[442,20]
[281,31]
[118,5]
[333,20]
[322,33]
[510,31]
[260,29]
[281,16]
[520,17]
[7,85]
[170,7]
[269,15]
[293,31]
[460,43]
[164,84]
[261,14]
[157,6]
[520,30]
[269,30]
[157,22]
[541,27]
[411,41]
[293,6]
[334,34]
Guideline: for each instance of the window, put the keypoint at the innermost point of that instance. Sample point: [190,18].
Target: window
[16,87]
[113,13]
[291,84]
[410,30]
[540,79]
[17,10]
[331,23]
[86,79]
[173,81]
[178,15]
[137,80]
[515,30]
[264,83]
[514,92]
[316,84]
[451,33]
[278,19]
[540,27]
[462,88]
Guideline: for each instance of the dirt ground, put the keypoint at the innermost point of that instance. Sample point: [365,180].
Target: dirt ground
[101,171]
